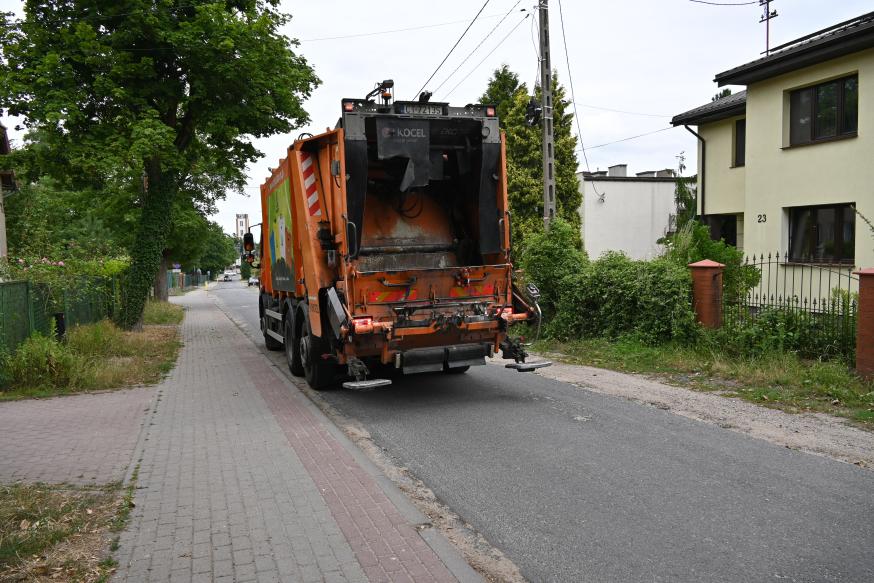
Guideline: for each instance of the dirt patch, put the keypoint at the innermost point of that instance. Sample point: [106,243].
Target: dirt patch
[56,533]
[816,433]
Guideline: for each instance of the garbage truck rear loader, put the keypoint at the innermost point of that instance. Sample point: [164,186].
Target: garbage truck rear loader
[386,241]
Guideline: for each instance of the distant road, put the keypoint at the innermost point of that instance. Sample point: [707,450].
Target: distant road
[577,486]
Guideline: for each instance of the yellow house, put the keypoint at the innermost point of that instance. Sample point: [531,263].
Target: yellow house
[782,165]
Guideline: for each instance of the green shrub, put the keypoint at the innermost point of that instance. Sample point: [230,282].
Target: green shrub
[100,339]
[41,362]
[692,243]
[157,312]
[786,330]
[616,296]
[550,256]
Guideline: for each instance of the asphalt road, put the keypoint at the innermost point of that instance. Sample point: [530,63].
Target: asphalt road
[577,486]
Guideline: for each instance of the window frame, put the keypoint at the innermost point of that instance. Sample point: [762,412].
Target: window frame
[735,163]
[840,132]
[837,257]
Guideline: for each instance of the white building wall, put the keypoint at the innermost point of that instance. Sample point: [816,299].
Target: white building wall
[634,214]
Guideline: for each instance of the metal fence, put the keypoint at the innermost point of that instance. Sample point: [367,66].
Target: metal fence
[178,283]
[810,308]
[27,307]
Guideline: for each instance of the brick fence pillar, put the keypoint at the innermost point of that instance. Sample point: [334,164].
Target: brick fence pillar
[707,292]
[865,324]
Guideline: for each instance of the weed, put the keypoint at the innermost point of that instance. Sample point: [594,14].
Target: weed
[162,313]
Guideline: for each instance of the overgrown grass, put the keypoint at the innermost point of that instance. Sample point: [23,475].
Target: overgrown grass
[162,313]
[56,532]
[95,357]
[780,380]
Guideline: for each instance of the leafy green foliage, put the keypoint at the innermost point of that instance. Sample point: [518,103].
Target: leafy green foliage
[692,243]
[525,156]
[616,296]
[42,362]
[162,313]
[685,198]
[219,251]
[245,271]
[548,258]
[151,100]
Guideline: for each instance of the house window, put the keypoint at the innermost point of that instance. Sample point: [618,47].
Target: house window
[722,228]
[822,234]
[740,142]
[825,111]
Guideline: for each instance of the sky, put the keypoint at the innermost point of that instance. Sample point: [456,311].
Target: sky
[634,64]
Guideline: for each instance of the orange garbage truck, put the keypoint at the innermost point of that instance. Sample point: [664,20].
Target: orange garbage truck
[385,242]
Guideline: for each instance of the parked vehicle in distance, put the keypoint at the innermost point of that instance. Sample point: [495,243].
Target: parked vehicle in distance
[387,241]
[253,281]
[227,276]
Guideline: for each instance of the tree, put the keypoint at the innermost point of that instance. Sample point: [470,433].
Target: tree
[525,155]
[219,250]
[160,94]
[724,93]
[685,197]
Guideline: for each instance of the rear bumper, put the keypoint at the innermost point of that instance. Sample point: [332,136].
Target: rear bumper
[438,358]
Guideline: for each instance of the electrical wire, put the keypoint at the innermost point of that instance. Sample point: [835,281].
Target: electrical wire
[630,138]
[512,30]
[483,7]
[724,3]
[477,47]
[391,31]
[573,97]
[586,105]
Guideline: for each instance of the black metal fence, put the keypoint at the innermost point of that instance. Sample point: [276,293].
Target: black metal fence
[809,308]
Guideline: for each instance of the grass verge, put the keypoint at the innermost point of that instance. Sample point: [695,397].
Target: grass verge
[778,380]
[162,313]
[95,357]
[57,533]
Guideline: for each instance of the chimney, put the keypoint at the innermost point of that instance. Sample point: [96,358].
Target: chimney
[647,174]
[618,170]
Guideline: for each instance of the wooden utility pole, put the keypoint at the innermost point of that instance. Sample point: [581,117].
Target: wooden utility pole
[766,18]
[546,98]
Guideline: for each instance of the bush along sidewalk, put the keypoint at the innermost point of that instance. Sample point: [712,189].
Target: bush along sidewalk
[637,316]
[96,356]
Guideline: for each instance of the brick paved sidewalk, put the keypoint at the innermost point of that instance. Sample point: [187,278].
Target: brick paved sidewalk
[242,479]
[78,439]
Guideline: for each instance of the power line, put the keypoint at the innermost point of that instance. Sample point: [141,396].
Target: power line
[483,7]
[586,105]
[724,3]
[628,139]
[390,31]
[476,48]
[469,73]
[573,98]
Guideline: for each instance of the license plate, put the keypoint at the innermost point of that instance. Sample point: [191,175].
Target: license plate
[423,109]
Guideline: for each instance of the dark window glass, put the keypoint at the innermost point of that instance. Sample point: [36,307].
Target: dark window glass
[824,111]
[826,123]
[740,142]
[850,117]
[722,228]
[822,234]
[801,106]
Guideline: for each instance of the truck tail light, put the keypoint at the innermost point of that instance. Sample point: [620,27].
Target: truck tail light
[362,325]
[490,111]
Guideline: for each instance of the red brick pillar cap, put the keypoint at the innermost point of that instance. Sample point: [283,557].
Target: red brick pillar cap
[868,271]
[709,263]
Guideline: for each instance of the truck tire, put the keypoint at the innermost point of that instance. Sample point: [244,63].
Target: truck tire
[318,372]
[269,341]
[292,347]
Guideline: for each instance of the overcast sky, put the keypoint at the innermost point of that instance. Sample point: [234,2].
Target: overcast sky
[653,57]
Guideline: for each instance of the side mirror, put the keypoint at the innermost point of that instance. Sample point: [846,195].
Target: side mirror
[248,243]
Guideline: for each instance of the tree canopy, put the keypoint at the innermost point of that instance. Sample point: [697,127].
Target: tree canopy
[525,155]
[151,100]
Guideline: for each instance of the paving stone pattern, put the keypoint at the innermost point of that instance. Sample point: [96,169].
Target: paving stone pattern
[78,439]
[239,481]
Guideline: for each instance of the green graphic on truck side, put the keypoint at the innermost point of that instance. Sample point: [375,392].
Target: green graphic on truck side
[279,239]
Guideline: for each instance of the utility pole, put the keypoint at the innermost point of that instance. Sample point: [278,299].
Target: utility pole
[546,94]
[766,18]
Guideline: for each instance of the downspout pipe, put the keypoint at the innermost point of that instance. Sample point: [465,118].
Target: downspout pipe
[703,166]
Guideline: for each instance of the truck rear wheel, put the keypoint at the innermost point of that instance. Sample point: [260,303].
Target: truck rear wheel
[319,373]
[292,348]
[269,341]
